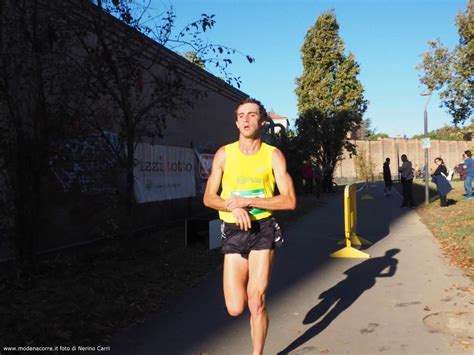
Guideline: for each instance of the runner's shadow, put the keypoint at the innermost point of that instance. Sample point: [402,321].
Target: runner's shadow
[360,278]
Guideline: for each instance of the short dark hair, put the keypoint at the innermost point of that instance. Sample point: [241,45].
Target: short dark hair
[440,159]
[387,160]
[261,109]
[468,153]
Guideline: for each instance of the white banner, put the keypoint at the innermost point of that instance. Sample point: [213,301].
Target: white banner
[425,143]
[163,173]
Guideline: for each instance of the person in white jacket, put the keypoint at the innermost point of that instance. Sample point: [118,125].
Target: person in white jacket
[406,172]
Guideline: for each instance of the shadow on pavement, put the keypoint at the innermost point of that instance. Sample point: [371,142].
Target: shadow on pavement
[309,243]
[360,278]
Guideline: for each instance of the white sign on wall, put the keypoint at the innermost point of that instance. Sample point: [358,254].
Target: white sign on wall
[425,143]
[163,173]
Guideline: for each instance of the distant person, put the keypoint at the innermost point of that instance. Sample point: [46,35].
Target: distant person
[248,171]
[318,179]
[469,166]
[406,172]
[308,176]
[442,184]
[417,171]
[387,177]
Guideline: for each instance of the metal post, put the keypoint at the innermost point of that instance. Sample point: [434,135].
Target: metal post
[425,121]
[427,191]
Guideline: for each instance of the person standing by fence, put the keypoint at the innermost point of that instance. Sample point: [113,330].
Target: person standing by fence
[406,172]
[387,177]
[469,166]
[442,184]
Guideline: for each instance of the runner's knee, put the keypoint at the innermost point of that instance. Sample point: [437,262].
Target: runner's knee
[256,303]
[234,309]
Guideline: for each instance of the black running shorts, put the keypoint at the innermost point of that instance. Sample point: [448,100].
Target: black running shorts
[264,234]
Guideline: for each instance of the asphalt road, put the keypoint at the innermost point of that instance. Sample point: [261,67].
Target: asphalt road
[319,304]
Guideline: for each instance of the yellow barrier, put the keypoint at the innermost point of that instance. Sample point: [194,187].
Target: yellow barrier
[350,227]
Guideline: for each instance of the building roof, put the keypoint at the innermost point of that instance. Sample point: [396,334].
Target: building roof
[276,116]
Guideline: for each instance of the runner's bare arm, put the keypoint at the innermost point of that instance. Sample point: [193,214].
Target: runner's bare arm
[213,200]
[285,201]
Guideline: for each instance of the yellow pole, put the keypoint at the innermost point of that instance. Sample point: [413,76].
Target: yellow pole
[347,215]
[350,219]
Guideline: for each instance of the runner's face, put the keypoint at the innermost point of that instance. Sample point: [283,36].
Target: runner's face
[248,120]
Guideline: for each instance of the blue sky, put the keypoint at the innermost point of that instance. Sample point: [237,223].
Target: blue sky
[386,36]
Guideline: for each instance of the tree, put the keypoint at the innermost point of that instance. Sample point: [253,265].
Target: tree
[139,98]
[68,67]
[452,73]
[372,134]
[330,97]
[161,28]
[288,142]
[365,166]
[31,102]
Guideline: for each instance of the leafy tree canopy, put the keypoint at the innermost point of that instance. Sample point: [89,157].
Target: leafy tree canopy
[372,134]
[189,40]
[454,133]
[330,96]
[451,73]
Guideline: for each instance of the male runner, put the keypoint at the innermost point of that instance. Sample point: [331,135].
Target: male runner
[248,170]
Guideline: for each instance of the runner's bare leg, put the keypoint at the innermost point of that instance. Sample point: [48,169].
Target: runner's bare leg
[260,265]
[235,283]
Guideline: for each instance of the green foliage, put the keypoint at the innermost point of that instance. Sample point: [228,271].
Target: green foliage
[452,73]
[372,134]
[289,143]
[330,97]
[452,133]
[376,136]
[364,164]
[195,59]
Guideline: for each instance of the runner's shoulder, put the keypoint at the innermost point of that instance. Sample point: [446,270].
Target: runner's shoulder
[219,157]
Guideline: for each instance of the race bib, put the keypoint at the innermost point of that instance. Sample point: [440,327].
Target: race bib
[259,193]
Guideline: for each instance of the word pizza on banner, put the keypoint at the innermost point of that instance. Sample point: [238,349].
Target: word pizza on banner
[163,173]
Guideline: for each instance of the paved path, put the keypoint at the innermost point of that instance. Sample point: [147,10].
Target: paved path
[322,305]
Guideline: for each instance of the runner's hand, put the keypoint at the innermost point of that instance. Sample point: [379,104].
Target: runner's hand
[236,202]
[242,218]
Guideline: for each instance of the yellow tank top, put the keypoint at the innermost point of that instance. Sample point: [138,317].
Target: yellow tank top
[247,176]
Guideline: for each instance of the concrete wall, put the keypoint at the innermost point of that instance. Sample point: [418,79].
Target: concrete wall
[211,124]
[76,215]
[393,148]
